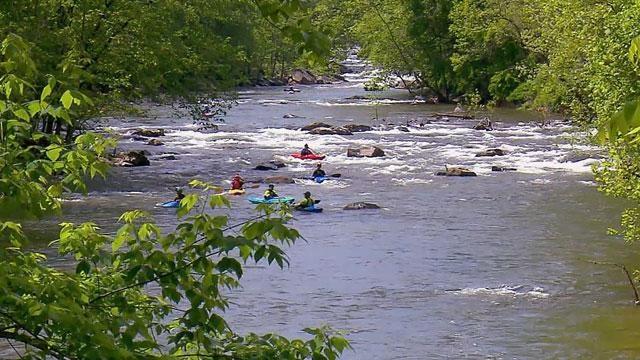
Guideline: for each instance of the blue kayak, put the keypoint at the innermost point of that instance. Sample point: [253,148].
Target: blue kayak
[311,209]
[169,204]
[277,200]
[318,179]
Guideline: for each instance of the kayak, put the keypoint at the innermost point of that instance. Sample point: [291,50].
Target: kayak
[169,204]
[318,179]
[236,192]
[311,209]
[308,157]
[278,200]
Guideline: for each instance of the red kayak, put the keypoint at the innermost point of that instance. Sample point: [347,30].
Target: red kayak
[308,157]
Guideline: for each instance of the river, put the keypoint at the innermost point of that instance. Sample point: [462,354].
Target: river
[495,266]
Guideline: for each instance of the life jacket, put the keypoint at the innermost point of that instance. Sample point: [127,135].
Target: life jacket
[236,184]
[319,172]
[306,151]
[305,203]
[269,194]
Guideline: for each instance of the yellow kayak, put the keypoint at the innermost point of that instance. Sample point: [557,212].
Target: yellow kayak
[236,192]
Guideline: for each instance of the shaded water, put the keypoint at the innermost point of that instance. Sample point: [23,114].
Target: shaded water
[497,266]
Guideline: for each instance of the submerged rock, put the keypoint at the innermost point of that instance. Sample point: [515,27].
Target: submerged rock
[155,142]
[369,151]
[266,167]
[292,116]
[361,206]
[130,159]
[403,128]
[278,180]
[149,132]
[491,152]
[456,171]
[580,156]
[502,168]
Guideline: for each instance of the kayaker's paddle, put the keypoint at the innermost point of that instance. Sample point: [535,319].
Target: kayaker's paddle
[252,186]
[316,201]
[336,175]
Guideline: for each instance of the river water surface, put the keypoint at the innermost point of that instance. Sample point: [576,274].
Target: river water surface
[496,266]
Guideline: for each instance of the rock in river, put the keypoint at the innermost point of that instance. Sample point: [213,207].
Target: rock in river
[491,152]
[279,180]
[292,116]
[334,130]
[302,76]
[149,132]
[266,167]
[315,125]
[484,124]
[357,128]
[155,142]
[502,168]
[360,206]
[369,151]
[456,171]
[131,158]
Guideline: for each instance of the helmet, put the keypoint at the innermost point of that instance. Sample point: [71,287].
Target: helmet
[319,165]
[270,186]
[307,193]
[179,189]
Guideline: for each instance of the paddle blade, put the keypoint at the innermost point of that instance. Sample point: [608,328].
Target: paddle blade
[336,175]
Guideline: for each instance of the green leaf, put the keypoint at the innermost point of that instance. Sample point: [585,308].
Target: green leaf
[67,99]
[53,152]
[45,92]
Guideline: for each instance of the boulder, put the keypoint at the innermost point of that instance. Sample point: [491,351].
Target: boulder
[502,168]
[491,152]
[131,158]
[323,79]
[168,157]
[403,128]
[484,124]
[279,180]
[317,124]
[292,116]
[302,76]
[277,163]
[361,206]
[149,132]
[579,156]
[335,130]
[456,171]
[357,128]
[155,142]
[368,151]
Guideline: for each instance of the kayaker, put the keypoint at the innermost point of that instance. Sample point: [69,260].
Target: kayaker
[237,182]
[307,202]
[318,172]
[179,194]
[270,193]
[306,150]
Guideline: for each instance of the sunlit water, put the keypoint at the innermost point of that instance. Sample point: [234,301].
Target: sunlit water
[497,266]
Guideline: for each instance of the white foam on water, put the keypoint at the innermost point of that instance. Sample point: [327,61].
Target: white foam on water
[504,290]
[409,181]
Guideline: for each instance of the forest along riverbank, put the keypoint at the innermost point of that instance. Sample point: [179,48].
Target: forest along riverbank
[496,265]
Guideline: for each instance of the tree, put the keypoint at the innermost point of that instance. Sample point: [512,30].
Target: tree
[139,293]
